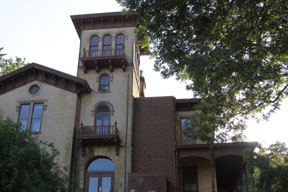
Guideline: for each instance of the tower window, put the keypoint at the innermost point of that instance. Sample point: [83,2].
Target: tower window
[120,42]
[102,120]
[104,83]
[107,45]
[93,49]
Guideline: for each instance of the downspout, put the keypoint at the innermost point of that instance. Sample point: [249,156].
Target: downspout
[79,54]
[175,153]
[126,137]
[212,167]
[75,141]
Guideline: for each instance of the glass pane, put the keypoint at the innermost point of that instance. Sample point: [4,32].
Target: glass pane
[104,80]
[106,118]
[101,164]
[94,41]
[93,184]
[106,50]
[120,39]
[119,49]
[34,89]
[107,40]
[36,117]
[93,51]
[185,123]
[23,116]
[99,118]
[106,184]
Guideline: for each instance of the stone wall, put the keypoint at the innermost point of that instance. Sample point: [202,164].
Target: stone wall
[58,115]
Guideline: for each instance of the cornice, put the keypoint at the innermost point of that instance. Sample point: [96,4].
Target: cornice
[103,21]
[36,72]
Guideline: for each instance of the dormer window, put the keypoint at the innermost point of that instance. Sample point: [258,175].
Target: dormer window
[107,45]
[93,49]
[120,42]
[104,83]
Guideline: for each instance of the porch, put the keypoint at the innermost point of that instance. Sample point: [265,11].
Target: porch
[200,169]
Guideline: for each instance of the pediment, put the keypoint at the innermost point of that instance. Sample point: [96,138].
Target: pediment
[37,72]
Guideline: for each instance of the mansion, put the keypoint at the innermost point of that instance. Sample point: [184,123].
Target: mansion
[112,137]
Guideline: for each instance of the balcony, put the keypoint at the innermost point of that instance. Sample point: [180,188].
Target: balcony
[106,58]
[106,135]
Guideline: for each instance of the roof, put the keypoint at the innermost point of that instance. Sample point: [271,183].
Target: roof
[186,104]
[103,21]
[34,71]
[219,149]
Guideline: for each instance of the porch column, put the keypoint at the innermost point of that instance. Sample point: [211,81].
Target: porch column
[176,170]
[212,168]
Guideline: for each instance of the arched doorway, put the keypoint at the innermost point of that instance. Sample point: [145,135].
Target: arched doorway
[100,176]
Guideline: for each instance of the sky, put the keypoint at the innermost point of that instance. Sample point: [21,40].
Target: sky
[42,32]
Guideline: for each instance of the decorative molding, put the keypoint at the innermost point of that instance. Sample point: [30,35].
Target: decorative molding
[102,21]
[36,72]
[111,108]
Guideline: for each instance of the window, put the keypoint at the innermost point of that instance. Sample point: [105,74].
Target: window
[104,83]
[102,120]
[107,45]
[31,119]
[93,49]
[120,41]
[100,176]
[34,89]
[190,183]
[186,131]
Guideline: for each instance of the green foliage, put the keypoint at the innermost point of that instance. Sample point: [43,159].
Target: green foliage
[269,168]
[26,164]
[8,65]
[234,53]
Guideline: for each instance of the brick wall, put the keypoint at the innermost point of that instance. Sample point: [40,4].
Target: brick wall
[154,137]
[147,182]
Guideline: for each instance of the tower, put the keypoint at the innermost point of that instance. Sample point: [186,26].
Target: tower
[109,61]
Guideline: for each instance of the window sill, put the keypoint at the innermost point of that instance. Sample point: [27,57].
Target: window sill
[35,133]
[103,91]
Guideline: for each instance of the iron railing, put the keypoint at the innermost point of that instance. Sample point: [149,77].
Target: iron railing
[103,52]
[103,130]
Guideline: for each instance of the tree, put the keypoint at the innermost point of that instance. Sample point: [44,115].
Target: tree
[268,168]
[8,65]
[233,52]
[27,164]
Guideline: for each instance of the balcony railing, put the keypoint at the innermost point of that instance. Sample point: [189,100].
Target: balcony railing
[98,131]
[104,53]
[105,135]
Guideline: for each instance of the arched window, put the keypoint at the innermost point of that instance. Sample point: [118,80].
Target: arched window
[102,120]
[120,42]
[104,83]
[100,175]
[107,40]
[93,49]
